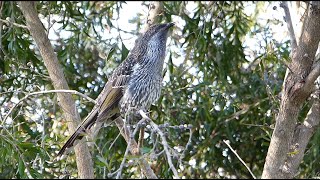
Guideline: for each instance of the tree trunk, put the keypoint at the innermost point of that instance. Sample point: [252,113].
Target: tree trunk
[67,104]
[286,147]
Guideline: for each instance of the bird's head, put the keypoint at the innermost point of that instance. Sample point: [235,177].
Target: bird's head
[157,32]
[154,39]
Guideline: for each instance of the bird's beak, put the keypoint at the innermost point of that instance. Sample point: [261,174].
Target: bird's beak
[169,25]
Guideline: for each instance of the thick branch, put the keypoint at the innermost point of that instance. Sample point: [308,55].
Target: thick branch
[296,89]
[84,160]
[155,9]
[313,75]
[309,41]
[301,137]
[293,40]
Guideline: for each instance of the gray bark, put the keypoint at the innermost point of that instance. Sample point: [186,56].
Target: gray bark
[67,104]
[282,160]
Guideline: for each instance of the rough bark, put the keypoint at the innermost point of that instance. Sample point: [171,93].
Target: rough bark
[301,137]
[281,160]
[155,9]
[67,104]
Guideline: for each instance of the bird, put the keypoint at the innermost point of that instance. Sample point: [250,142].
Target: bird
[134,85]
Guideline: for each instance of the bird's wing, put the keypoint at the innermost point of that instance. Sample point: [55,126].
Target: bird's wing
[118,82]
[90,120]
[107,102]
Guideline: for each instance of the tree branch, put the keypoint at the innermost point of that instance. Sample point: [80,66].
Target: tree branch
[313,75]
[45,92]
[254,177]
[301,138]
[164,143]
[134,149]
[155,9]
[15,24]
[293,40]
[67,104]
[131,136]
[295,91]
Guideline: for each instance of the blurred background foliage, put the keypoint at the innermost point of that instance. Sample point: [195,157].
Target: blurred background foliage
[214,80]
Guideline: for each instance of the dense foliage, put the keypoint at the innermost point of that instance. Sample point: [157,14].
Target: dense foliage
[213,81]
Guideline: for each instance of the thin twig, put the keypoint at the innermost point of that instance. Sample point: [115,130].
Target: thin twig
[128,146]
[164,142]
[244,110]
[141,137]
[1,7]
[115,139]
[119,171]
[155,156]
[131,136]
[134,149]
[186,147]
[44,92]
[12,23]
[254,177]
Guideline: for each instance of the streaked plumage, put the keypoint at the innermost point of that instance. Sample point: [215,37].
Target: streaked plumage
[135,84]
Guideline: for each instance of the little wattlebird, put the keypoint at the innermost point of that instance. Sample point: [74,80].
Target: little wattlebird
[134,85]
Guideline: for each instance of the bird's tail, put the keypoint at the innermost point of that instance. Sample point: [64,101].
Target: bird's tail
[81,131]
[104,110]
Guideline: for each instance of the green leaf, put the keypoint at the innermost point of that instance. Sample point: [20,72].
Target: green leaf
[170,64]
[103,160]
[35,174]
[124,52]
[145,150]
[21,168]
[111,52]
